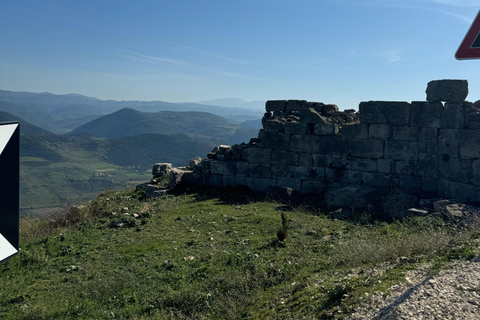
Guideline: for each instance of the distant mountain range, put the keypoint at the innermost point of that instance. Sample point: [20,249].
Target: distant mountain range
[49,110]
[72,147]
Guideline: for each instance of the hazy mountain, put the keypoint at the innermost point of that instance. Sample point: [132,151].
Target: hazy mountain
[129,122]
[67,125]
[42,109]
[25,126]
[236,103]
[257,124]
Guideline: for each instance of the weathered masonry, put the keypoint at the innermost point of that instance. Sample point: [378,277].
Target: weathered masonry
[427,148]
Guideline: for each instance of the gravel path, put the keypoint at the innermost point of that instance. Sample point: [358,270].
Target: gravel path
[452,294]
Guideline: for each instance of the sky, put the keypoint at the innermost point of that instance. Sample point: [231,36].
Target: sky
[331,51]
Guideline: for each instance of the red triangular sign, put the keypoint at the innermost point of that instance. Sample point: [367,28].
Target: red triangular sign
[470,47]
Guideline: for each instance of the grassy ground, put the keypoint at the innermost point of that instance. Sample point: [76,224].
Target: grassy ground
[212,255]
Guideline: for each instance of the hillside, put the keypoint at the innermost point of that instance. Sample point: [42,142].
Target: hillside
[59,169]
[25,126]
[42,109]
[218,254]
[129,122]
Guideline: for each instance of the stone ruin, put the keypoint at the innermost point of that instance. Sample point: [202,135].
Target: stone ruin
[425,149]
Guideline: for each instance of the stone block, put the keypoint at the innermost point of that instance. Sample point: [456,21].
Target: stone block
[426,114]
[270,140]
[370,113]
[197,168]
[336,175]
[284,158]
[213,180]
[379,132]
[401,150]
[309,173]
[429,185]
[259,185]
[347,130]
[296,128]
[404,167]
[428,142]
[404,133]
[449,143]
[273,125]
[311,186]
[328,129]
[447,90]
[317,144]
[276,105]
[362,164]
[295,184]
[233,181]
[309,115]
[295,105]
[192,177]
[460,192]
[469,143]
[161,169]
[282,171]
[454,116]
[386,166]
[375,179]
[259,171]
[257,155]
[342,162]
[206,166]
[366,148]
[224,168]
[476,172]
[305,159]
[353,177]
[322,160]
[361,131]
[410,184]
[427,165]
[455,169]
[241,169]
[397,113]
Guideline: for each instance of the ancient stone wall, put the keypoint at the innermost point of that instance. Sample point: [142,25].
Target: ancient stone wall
[427,148]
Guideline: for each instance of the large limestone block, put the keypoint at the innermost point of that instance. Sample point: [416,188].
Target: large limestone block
[282,157]
[224,168]
[347,130]
[404,167]
[455,169]
[404,133]
[271,140]
[461,192]
[427,165]
[328,129]
[176,176]
[276,105]
[366,148]
[375,179]
[241,168]
[380,132]
[469,141]
[296,128]
[447,90]
[259,171]
[401,150]
[454,116]
[449,142]
[309,173]
[370,113]
[310,115]
[428,141]
[161,169]
[426,114]
[296,105]
[259,185]
[361,131]
[356,197]
[411,184]
[313,186]
[283,171]
[213,180]
[257,155]
[233,181]
[273,125]
[361,164]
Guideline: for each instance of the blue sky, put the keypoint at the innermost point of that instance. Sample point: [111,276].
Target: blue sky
[333,51]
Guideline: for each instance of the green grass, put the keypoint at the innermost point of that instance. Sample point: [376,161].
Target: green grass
[211,255]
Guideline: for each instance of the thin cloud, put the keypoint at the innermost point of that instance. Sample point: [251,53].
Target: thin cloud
[459,3]
[41,26]
[151,59]
[391,57]
[210,54]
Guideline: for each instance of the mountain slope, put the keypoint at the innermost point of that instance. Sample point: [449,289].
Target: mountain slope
[25,126]
[129,122]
